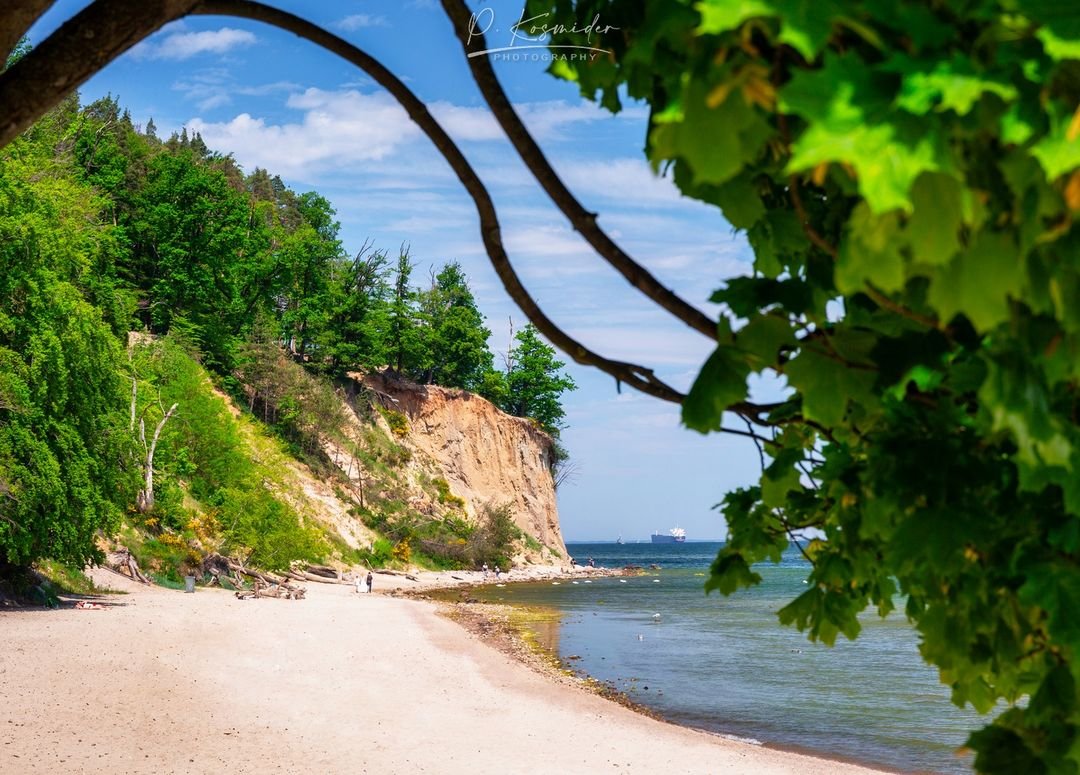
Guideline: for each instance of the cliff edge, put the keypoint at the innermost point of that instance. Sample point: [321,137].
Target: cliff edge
[486,456]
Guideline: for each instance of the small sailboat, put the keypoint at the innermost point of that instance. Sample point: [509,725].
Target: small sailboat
[619,540]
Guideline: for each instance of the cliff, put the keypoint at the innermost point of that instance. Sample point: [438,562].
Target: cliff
[485,455]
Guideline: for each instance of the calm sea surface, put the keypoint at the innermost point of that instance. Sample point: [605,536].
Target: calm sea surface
[726,664]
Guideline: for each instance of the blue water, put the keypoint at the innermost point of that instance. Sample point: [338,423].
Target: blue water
[728,666]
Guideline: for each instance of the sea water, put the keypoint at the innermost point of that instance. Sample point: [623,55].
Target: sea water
[726,665]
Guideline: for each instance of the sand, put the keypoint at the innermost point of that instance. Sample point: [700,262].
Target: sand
[161,681]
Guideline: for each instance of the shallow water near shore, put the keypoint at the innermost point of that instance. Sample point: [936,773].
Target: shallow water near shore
[728,666]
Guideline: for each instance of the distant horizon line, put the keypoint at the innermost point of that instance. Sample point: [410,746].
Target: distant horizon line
[641,541]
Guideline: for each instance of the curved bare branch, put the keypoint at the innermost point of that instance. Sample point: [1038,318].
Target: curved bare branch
[18,17]
[636,376]
[79,48]
[584,222]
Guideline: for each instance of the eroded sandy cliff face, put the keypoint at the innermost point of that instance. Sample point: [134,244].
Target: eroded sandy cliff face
[486,455]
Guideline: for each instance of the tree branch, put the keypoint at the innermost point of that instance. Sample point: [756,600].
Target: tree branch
[79,48]
[804,219]
[885,302]
[584,222]
[18,17]
[636,376]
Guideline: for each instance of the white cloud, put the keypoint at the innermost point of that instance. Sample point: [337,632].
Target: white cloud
[545,119]
[338,130]
[614,178]
[466,124]
[184,45]
[212,88]
[359,21]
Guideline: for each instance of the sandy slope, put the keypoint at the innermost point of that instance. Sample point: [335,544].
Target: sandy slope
[338,683]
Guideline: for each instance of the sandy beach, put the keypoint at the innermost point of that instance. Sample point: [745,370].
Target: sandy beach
[161,681]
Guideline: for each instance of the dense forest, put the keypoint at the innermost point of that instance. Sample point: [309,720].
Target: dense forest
[137,274]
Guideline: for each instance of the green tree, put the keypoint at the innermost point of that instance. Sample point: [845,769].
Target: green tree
[63,443]
[404,346]
[456,352]
[357,314]
[907,175]
[535,382]
[191,234]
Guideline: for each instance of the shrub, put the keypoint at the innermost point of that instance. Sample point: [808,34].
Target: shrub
[493,541]
[446,497]
[398,422]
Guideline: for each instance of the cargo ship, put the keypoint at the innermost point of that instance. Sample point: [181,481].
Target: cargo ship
[674,536]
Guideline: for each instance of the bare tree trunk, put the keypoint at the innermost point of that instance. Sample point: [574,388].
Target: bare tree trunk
[134,396]
[145,499]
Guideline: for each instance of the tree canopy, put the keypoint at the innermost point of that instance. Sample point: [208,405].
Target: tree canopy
[907,175]
[535,381]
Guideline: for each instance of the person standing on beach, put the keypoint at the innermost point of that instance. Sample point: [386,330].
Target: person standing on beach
[370,581]
[498,572]
[485,569]
[358,581]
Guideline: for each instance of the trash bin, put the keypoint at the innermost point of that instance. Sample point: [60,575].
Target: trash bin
[189,583]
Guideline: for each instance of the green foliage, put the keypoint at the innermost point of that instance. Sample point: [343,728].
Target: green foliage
[494,540]
[62,451]
[455,351]
[66,579]
[908,175]
[202,454]
[398,422]
[233,280]
[382,551]
[534,382]
[304,408]
[446,497]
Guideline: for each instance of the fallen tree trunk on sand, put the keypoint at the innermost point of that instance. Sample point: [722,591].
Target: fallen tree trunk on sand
[302,575]
[385,572]
[216,565]
[123,562]
[321,570]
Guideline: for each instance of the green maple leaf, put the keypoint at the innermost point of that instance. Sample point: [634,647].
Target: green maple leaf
[826,386]
[722,15]
[804,25]
[715,142]
[846,105]
[1057,47]
[979,282]
[721,383]
[933,229]
[870,253]
[945,85]
[763,337]
[1058,151]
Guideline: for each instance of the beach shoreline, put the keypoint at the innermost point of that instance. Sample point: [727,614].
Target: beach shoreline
[162,681]
[494,624]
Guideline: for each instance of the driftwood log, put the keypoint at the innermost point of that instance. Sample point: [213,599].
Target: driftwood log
[386,572]
[282,590]
[123,562]
[264,584]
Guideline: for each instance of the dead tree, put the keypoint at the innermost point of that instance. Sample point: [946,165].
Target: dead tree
[144,501]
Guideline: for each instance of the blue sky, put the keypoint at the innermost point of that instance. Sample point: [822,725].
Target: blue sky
[275,101]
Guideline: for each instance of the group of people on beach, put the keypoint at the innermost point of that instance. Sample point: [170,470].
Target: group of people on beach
[486,570]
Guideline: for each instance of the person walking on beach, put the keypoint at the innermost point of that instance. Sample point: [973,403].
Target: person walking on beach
[485,569]
[359,581]
[370,581]
[498,572]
